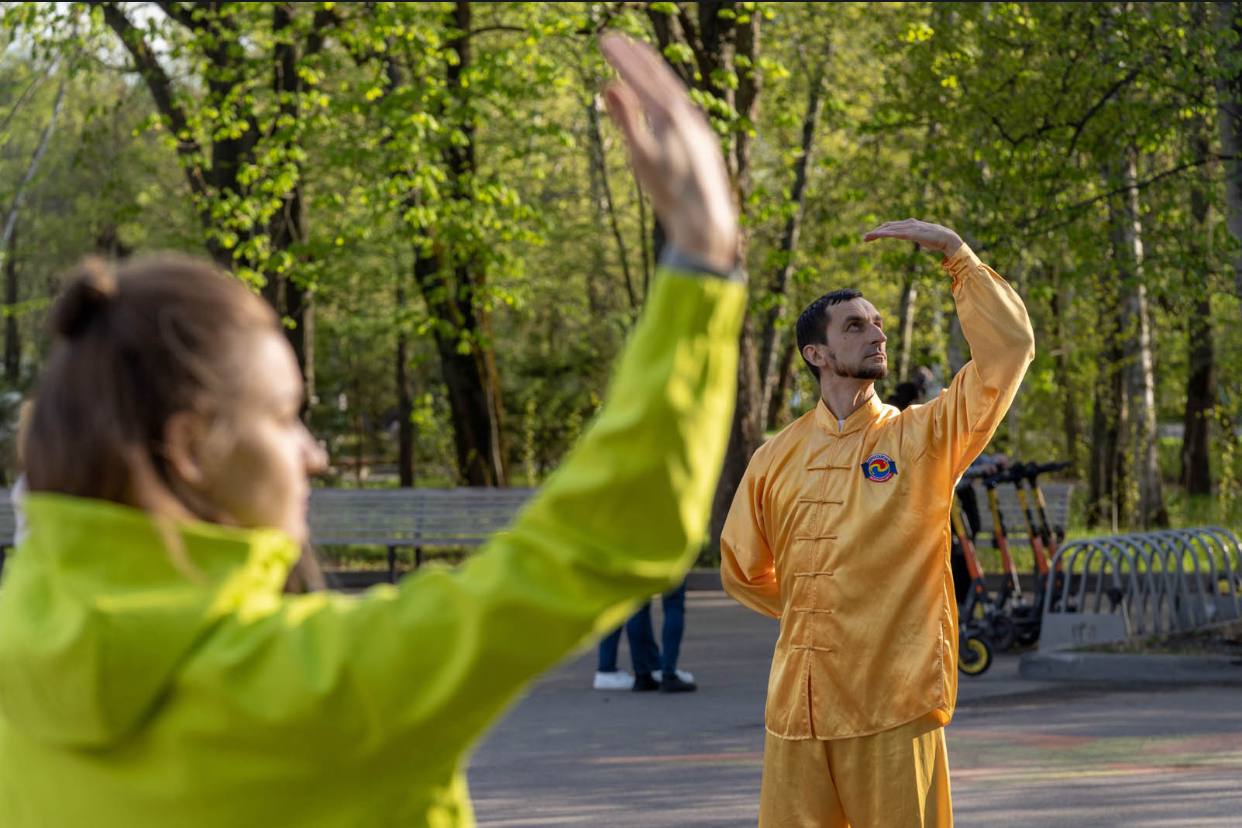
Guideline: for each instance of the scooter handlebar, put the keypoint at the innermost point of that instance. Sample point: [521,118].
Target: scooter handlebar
[1035,469]
[1012,474]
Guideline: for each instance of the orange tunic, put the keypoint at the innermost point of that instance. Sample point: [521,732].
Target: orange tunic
[841,530]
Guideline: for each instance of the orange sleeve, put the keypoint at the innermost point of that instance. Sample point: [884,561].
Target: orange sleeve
[747,568]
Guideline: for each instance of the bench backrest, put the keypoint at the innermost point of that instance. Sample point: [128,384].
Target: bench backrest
[412,517]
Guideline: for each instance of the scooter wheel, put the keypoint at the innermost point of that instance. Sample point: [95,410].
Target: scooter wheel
[1003,632]
[975,656]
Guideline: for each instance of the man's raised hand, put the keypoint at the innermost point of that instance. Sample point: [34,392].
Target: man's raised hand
[674,153]
[929,236]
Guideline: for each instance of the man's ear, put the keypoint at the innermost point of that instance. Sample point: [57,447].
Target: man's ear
[184,439]
[815,355]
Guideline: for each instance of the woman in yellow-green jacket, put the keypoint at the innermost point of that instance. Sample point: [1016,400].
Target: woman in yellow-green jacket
[153,671]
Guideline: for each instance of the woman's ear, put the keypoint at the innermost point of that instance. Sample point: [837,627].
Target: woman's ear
[185,435]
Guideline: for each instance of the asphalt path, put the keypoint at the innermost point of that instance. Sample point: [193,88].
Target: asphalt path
[1022,753]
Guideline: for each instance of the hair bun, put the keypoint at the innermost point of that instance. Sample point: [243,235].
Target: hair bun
[92,287]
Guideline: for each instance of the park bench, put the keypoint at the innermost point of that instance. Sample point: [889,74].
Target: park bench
[464,518]
[417,519]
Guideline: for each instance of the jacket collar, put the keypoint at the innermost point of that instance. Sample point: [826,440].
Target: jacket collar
[862,417]
[120,544]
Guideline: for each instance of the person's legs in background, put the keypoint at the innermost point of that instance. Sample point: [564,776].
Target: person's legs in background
[607,676]
[654,670]
[674,605]
[643,649]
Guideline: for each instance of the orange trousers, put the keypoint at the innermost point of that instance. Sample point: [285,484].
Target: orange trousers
[895,779]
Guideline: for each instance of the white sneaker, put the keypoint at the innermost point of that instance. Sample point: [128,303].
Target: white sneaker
[684,675]
[616,680]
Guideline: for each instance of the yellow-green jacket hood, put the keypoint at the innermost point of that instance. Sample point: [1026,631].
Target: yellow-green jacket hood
[105,607]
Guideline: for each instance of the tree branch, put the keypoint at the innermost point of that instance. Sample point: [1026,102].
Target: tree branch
[497,28]
[160,86]
[181,14]
[662,27]
[595,27]
[1112,91]
[34,83]
[322,20]
[31,168]
[1138,185]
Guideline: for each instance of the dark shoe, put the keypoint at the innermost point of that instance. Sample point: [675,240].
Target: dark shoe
[644,683]
[674,684]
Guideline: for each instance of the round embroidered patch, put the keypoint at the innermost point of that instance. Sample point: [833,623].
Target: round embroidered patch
[879,468]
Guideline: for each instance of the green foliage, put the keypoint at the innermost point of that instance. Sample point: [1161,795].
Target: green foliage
[1004,120]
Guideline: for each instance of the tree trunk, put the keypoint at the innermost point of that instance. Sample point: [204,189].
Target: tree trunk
[1140,380]
[784,380]
[452,282]
[770,355]
[10,220]
[465,378]
[1229,114]
[12,342]
[405,394]
[8,239]
[224,67]
[288,226]
[605,208]
[1064,376]
[720,46]
[747,433]
[1108,474]
[474,383]
[1196,473]
[905,322]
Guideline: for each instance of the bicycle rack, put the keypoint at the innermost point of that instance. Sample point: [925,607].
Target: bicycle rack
[1133,586]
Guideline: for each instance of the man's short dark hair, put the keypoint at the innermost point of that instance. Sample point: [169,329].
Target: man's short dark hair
[813,323]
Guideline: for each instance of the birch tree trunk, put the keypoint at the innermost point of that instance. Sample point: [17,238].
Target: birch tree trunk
[1140,380]
[770,354]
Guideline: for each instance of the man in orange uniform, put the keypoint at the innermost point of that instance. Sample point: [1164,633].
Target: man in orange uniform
[839,528]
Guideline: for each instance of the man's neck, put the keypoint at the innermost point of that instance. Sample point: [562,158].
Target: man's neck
[844,395]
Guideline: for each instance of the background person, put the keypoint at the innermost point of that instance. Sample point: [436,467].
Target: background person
[654,669]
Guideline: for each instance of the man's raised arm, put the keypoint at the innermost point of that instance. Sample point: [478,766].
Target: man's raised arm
[998,330]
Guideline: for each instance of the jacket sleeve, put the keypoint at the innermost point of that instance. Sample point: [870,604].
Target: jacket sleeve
[962,420]
[747,566]
[437,658]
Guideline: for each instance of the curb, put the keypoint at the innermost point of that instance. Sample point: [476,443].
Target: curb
[1131,669]
[698,580]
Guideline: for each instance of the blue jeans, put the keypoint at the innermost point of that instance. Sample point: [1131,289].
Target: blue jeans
[644,651]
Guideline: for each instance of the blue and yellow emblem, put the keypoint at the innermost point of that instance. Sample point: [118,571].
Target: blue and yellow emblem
[879,468]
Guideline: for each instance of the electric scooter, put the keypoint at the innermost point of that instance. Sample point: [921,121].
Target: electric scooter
[1051,536]
[976,614]
[1026,616]
[974,652]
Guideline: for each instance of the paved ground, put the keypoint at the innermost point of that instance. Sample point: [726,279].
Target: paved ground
[1023,754]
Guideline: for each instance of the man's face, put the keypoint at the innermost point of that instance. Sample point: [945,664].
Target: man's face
[855,346]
